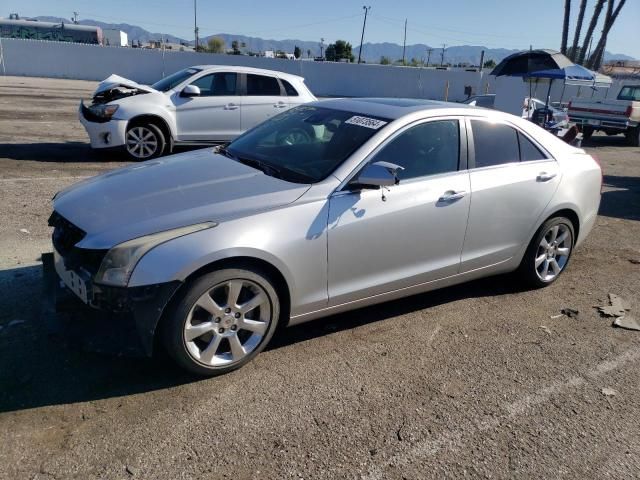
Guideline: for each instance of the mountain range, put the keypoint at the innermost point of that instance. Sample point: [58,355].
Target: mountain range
[371,53]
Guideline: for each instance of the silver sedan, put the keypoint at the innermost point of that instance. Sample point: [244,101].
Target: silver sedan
[325,208]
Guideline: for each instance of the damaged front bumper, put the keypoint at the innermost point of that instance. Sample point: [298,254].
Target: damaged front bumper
[102,134]
[119,320]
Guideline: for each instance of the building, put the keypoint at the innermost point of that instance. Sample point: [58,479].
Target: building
[61,32]
[114,38]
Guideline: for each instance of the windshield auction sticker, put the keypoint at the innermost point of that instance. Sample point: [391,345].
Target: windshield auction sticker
[367,122]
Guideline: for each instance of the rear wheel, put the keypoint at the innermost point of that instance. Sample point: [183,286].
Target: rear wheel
[548,253]
[144,141]
[633,136]
[222,321]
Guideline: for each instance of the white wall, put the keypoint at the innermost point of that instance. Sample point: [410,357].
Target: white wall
[91,62]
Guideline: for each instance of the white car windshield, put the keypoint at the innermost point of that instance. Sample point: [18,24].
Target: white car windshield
[304,144]
[174,79]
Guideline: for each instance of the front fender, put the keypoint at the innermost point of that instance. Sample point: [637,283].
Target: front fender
[177,259]
[131,110]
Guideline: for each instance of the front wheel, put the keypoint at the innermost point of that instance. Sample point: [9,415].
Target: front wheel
[222,321]
[548,253]
[144,141]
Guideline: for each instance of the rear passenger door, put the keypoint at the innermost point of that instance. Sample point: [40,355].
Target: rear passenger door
[512,181]
[263,98]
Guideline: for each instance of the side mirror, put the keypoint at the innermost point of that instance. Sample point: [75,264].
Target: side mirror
[190,91]
[379,174]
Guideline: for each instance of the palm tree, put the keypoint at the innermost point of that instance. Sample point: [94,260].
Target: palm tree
[592,27]
[565,26]
[576,36]
[598,54]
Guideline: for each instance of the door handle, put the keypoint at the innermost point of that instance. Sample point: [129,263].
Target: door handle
[280,105]
[452,195]
[545,177]
[231,106]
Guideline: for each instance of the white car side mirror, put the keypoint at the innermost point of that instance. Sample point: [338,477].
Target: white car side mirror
[190,91]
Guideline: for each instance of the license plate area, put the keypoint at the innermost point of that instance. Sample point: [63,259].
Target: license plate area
[71,279]
[593,122]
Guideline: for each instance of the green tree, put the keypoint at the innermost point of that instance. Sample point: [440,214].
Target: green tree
[309,53]
[338,51]
[216,45]
[297,52]
[235,47]
[491,63]
[385,60]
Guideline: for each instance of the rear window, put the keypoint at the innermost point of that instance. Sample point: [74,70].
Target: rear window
[261,85]
[291,92]
[630,93]
[528,151]
[494,143]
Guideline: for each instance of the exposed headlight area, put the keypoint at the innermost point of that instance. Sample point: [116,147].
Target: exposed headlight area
[99,113]
[118,264]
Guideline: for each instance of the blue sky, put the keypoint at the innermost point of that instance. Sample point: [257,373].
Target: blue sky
[491,23]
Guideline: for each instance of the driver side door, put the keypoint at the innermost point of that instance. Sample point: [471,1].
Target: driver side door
[414,234]
[214,115]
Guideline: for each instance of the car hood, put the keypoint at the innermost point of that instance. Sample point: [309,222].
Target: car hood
[168,193]
[114,81]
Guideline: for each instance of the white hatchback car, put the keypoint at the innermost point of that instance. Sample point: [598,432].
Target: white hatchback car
[201,104]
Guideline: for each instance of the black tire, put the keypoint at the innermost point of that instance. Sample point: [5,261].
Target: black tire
[587,132]
[633,136]
[154,142]
[182,316]
[528,272]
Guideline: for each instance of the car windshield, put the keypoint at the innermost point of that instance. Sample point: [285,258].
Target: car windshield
[304,144]
[174,79]
[630,93]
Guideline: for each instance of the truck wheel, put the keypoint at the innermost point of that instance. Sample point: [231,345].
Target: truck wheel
[587,132]
[144,141]
[633,136]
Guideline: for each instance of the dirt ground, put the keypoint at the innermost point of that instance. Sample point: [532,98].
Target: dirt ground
[458,383]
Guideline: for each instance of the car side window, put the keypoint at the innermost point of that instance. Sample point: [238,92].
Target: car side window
[494,143]
[291,92]
[426,149]
[260,85]
[216,84]
[528,151]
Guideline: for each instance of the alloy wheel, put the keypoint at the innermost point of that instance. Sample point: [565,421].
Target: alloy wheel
[141,142]
[553,252]
[227,323]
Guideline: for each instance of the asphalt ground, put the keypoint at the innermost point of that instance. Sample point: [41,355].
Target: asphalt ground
[461,383]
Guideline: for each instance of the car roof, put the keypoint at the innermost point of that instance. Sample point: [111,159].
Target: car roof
[391,108]
[241,69]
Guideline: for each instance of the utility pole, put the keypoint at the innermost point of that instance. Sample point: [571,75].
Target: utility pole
[195,22]
[429,50]
[321,47]
[444,47]
[366,10]
[404,43]
[75,17]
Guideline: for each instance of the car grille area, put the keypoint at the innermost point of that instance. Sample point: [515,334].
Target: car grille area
[65,238]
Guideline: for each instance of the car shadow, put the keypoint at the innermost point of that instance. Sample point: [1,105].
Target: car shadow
[43,365]
[69,152]
[621,198]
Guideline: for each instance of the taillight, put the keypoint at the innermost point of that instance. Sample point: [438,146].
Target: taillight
[595,157]
[629,111]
